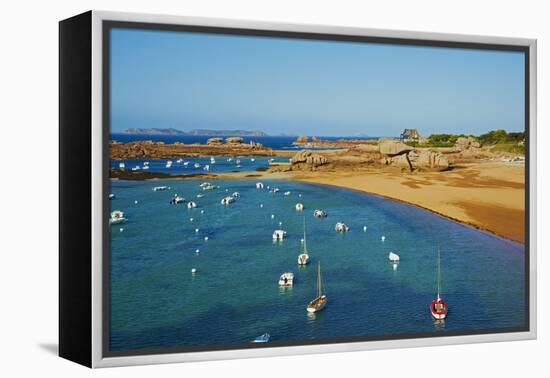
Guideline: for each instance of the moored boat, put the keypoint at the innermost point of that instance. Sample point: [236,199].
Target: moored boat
[341,227]
[286,279]
[262,338]
[279,234]
[303,258]
[227,200]
[191,205]
[438,307]
[319,213]
[159,188]
[320,302]
[299,207]
[117,217]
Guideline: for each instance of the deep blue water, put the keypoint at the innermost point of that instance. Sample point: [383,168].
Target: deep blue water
[248,164]
[275,142]
[234,296]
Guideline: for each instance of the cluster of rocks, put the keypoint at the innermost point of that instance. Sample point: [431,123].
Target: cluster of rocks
[401,155]
[465,143]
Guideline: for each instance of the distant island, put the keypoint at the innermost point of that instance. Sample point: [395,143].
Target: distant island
[194,132]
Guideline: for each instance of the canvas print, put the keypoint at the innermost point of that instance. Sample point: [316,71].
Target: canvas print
[271,190]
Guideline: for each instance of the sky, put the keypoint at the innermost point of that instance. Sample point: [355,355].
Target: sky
[288,86]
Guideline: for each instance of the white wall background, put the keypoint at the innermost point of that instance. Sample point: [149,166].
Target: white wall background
[28,191]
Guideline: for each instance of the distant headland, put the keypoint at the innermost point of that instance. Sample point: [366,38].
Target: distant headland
[194,132]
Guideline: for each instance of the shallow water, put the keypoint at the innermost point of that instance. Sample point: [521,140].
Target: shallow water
[157,302]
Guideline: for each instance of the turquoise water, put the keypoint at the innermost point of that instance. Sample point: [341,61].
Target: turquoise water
[156,302]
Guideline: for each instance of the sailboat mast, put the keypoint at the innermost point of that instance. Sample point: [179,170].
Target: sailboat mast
[319,278]
[438,274]
[305,243]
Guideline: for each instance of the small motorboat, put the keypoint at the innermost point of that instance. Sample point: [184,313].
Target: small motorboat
[159,188]
[286,279]
[320,214]
[299,207]
[117,217]
[179,161]
[200,195]
[259,185]
[111,196]
[169,164]
[185,163]
[274,190]
[136,168]
[320,302]
[121,165]
[197,165]
[212,160]
[438,307]
[286,193]
[236,194]
[227,200]
[341,227]
[279,234]
[393,257]
[262,338]
[177,200]
[206,167]
[191,205]
[145,167]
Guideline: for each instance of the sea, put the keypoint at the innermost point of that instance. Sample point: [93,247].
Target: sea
[275,142]
[156,302]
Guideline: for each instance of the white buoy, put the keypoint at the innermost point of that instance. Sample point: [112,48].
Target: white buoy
[136,202]
[196,230]
[280,223]
[302,240]
[272,216]
[121,229]
[197,250]
[194,270]
[383,238]
[365,228]
[261,205]
[202,211]
[206,238]
[190,219]
[299,195]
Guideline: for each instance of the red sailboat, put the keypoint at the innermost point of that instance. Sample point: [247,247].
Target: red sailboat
[439,307]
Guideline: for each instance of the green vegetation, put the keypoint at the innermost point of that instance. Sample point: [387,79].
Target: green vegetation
[499,139]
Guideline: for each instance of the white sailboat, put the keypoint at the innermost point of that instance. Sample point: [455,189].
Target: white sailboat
[303,258]
[438,307]
[320,302]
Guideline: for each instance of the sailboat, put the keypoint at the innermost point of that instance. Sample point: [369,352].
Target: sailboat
[439,307]
[320,302]
[303,258]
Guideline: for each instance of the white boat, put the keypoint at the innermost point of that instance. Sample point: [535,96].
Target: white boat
[286,193]
[319,214]
[169,164]
[111,196]
[274,190]
[206,167]
[320,302]
[252,160]
[159,188]
[236,194]
[238,161]
[262,338]
[117,217]
[197,165]
[191,205]
[136,168]
[259,185]
[121,165]
[185,163]
[303,258]
[177,200]
[341,227]
[279,234]
[145,167]
[179,161]
[299,207]
[212,160]
[200,195]
[227,200]
[286,279]
[229,160]
[393,257]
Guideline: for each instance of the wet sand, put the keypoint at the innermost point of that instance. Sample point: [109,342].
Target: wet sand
[488,196]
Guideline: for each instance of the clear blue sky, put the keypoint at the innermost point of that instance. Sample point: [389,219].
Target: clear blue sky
[278,85]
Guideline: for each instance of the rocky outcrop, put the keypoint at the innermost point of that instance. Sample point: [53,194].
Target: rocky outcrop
[301,140]
[429,160]
[234,140]
[390,147]
[214,141]
[308,160]
[464,143]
